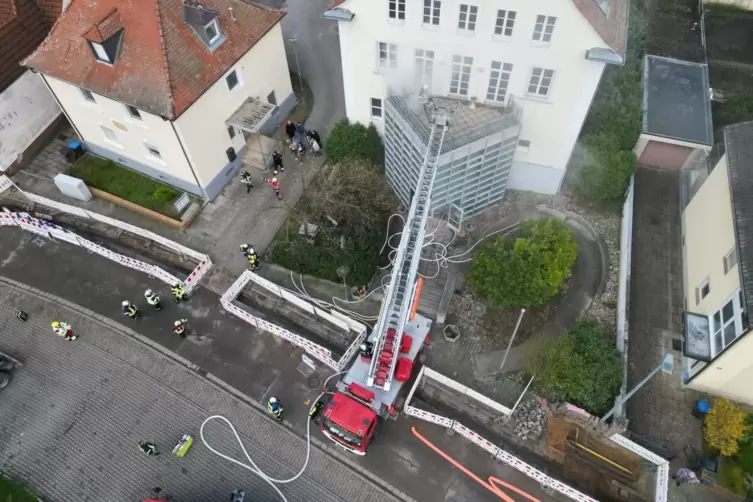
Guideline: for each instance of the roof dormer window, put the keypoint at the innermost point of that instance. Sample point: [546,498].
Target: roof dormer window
[212,31]
[205,22]
[104,38]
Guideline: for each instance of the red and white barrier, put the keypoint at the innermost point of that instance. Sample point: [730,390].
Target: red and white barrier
[662,465]
[50,230]
[322,354]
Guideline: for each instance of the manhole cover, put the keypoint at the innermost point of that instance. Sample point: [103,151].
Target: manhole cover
[313,381]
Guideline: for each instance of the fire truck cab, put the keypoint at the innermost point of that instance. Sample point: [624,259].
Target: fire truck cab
[351,417]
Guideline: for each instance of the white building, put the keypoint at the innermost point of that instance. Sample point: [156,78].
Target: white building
[28,112]
[545,56]
[171,88]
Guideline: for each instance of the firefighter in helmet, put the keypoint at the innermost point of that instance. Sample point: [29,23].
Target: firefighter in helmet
[129,309]
[274,407]
[152,299]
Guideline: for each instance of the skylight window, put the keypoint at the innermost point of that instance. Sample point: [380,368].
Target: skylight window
[100,52]
[104,38]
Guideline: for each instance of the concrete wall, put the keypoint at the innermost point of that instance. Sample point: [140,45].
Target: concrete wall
[202,128]
[730,374]
[132,136]
[743,4]
[287,315]
[551,125]
[708,235]
[27,109]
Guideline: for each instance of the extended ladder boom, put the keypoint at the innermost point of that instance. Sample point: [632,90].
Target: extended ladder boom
[399,296]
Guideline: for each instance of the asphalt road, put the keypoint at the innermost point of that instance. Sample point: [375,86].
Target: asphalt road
[254,362]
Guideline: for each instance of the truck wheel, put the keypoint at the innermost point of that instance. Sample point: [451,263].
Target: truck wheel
[5,378]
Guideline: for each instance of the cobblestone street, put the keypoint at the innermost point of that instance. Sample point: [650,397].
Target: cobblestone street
[661,411]
[72,416]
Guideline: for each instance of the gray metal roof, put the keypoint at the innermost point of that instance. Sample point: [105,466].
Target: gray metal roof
[467,124]
[738,140]
[676,102]
[250,115]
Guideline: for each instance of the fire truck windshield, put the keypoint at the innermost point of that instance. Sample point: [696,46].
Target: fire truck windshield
[342,434]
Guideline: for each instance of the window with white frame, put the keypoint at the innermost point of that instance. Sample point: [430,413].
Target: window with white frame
[212,31]
[133,112]
[467,17]
[540,83]
[424,66]
[524,145]
[726,324]
[87,94]
[387,55]
[432,9]
[702,291]
[461,75]
[110,135]
[232,80]
[396,9]
[153,151]
[542,31]
[505,23]
[730,260]
[376,108]
[100,52]
[499,78]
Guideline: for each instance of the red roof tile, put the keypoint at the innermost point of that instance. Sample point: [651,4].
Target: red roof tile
[51,10]
[162,65]
[22,29]
[611,27]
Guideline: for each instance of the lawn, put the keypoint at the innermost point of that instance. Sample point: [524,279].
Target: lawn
[122,182]
[11,491]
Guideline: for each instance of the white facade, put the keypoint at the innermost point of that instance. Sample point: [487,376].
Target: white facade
[190,152]
[27,109]
[379,51]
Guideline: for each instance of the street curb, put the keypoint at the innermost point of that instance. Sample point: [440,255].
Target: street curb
[254,404]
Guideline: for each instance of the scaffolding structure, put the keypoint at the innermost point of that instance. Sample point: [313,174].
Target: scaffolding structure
[474,162]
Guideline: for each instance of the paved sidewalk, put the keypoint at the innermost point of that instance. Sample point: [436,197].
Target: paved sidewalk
[255,363]
[221,226]
[660,413]
[73,414]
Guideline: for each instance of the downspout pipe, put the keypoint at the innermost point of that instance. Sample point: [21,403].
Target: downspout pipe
[188,161]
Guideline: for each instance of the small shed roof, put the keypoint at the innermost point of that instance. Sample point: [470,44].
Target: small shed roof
[250,115]
[676,101]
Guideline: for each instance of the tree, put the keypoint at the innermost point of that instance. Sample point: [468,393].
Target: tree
[354,142]
[724,426]
[607,173]
[526,271]
[581,366]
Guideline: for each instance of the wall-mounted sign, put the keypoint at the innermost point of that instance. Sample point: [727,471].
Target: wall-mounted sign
[697,333]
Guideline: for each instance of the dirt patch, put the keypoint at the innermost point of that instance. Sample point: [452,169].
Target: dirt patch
[493,330]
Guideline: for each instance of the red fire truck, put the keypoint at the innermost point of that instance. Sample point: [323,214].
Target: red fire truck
[351,417]
[385,363]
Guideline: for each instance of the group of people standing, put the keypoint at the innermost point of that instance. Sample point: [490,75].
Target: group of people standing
[180,327]
[299,136]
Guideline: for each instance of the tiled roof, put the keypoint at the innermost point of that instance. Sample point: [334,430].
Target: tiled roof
[610,25]
[162,66]
[51,10]
[22,29]
[738,141]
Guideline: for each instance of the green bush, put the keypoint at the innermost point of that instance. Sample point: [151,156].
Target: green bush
[164,194]
[608,169]
[354,142]
[732,477]
[581,366]
[526,271]
[350,204]
[12,491]
[617,107]
[122,182]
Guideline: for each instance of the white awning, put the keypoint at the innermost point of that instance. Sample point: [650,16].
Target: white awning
[250,115]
